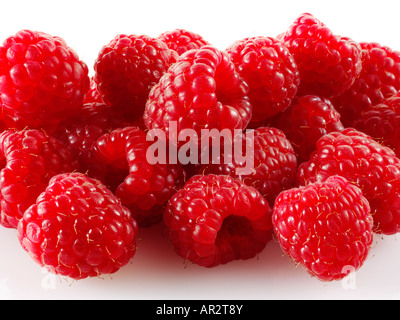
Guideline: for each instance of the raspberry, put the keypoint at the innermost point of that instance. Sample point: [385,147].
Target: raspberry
[216,219]
[80,132]
[270,71]
[275,164]
[128,67]
[328,63]
[382,122]
[119,160]
[29,158]
[93,95]
[324,226]
[78,228]
[374,168]
[202,90]
[308,118]
[182,40]
[378,80]
[41,80]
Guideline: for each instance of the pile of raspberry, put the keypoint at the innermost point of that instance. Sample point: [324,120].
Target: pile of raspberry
[78,183]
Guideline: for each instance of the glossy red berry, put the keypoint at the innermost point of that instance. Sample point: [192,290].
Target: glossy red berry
[78,228]
[29,158]
[182,40]
[308,118]
[80,132]
[374,168]
[41,80]
[382,122]
[324,226]
[378,80]
[270,163]
[270,72]
[119,159]
[202,90]
[215,219]
[128,67]
[328,63]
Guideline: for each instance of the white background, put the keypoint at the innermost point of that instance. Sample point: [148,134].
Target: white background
[156,272]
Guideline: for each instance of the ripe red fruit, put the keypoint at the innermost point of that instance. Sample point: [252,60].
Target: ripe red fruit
[202,90]
[80,132]
[41,80]
[216,219]
[374,168]
[78,228]
[378,80]
[182,40]
[328,63]
[275,163]
[382,122]
[93,94]
[119,160]
[270,71]
[324,226]
[29,158]
[307,119]
[128,67]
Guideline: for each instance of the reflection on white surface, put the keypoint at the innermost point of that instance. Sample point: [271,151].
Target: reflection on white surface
[156,272]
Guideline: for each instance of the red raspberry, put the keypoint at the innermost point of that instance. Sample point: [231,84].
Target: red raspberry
[202,90]
[120,162]
[270,71]
[128,67]
[93,95]
[374,168]
[382,122]
[308,118]
[328,63]
[80,132]
[78,228]
[182,40]
[275,164]
[29,159]
[41,80]
[378,80]
[324,226]
[216,219]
